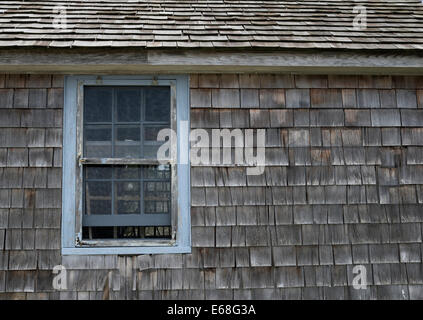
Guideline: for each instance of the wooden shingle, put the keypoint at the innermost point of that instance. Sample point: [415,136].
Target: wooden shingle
[249,81]
[37,98]
[342,81]
[349,98]
[200,98]
[311,81]
[406,98]
[385,118]
[55,97]
[297,98]
[22,260]
[387,99]
[6,98]
[38,81]
[276,81]
[15,81]
[17,157]
[9,118]
[368,98]
[326,98]
[229,80]
[225,98]
[272,98]
[327,117]
[250,98]
[35,137]
[411,118]
[289,277]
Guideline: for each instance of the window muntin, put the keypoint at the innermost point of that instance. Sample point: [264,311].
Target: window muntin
[126,193]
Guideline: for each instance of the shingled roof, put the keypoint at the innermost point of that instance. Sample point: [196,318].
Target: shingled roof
[219,24]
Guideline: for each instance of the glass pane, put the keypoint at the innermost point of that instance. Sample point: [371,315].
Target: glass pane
[98,133]
[128,134]
[98,197]
[98,141]
[98,172]
[126,232]
[157,197]
[97,104]
[128,172]
[157,232]
[128,104]
[150,152]
[127,197]
[150,133]
[157,172]
[151,144]
[97,232]
[128,142]
[157,104]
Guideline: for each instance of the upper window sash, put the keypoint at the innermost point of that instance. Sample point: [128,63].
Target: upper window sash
[116,160]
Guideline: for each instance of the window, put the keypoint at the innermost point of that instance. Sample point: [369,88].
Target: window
[119,196]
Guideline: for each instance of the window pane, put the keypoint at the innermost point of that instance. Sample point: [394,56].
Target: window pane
[128,142]
[151,132]
[128,107]
[157,197]
[98,232]
[98,133]
[128,134]
[98,172]
[151,144]
[157,104]
[97,104]
[157,232]
[129,232]
[128,197]
[157,172]
[128,172]
[98,197]
[98,141]
[150,152]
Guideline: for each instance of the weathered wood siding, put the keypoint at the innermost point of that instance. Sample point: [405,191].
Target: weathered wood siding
[343,186]
[30,183]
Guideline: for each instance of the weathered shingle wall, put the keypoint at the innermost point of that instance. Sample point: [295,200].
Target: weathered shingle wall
[30,183]
[343,186]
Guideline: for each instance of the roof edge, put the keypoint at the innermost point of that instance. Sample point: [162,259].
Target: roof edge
[132,60]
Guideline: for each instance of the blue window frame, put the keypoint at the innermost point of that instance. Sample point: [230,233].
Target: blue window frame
[86,96]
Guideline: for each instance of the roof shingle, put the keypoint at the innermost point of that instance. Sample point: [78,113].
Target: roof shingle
[218,23]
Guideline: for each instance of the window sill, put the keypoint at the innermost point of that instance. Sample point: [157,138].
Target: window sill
[126,250]
[126,243]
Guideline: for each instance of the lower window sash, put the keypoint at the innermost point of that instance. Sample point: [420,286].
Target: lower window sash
[141,220]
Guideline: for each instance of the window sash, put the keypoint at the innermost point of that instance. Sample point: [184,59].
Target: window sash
[114,123]
[126,220]
[80,220]
[123,161]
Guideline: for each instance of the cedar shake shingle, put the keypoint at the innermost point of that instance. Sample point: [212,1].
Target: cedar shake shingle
[235,24]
